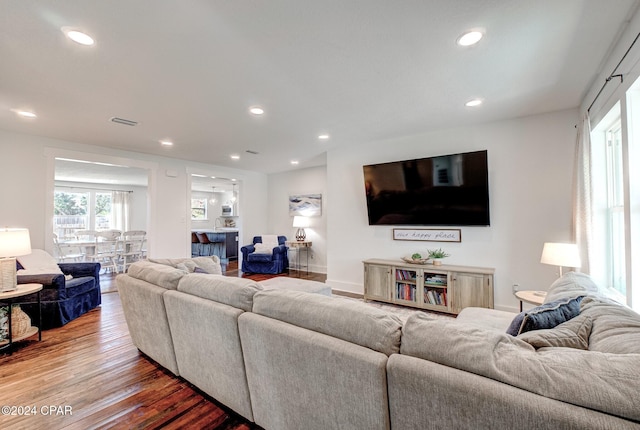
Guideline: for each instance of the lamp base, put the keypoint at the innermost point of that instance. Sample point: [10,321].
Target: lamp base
[8,278]
[301,235]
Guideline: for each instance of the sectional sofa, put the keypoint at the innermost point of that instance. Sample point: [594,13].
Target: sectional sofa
[290,359]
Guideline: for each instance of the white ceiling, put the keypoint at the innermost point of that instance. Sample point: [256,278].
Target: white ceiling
[360,70]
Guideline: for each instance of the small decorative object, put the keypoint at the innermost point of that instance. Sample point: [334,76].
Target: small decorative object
[20,321]
[415,258]
[436,255]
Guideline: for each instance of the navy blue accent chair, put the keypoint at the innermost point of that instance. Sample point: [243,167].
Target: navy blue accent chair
[62,300]
[274,263]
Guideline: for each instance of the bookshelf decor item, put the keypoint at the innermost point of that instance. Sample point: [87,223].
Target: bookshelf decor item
[428,234]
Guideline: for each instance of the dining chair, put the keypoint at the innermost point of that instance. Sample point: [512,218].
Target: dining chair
[106,250]
[66,252]
[131,248]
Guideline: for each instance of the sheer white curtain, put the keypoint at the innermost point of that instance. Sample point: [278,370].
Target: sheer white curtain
[120,210]
[582,204]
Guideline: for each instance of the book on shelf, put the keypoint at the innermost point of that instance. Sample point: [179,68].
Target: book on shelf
[435,297]
[405,275]
[406,291]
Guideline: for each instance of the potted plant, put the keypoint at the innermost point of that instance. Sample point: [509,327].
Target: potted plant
[436,255]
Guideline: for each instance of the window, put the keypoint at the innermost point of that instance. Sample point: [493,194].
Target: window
[70,213]
[199,209]
[103,211]
[615,208]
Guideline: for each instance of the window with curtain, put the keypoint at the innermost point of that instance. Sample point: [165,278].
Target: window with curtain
[609,247]
[615,208]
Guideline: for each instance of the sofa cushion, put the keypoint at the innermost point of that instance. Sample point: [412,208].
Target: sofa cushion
[616,328]
[595,380]
[158,274]
[341,318]
[572,284]
[261,258]
[236,292]
[571,334]
[545,316]
[78,286]
[208,264]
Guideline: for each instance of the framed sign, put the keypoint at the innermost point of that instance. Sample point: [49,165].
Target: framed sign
[428,234]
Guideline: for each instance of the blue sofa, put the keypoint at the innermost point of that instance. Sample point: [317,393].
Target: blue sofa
[63,300]
[274,263]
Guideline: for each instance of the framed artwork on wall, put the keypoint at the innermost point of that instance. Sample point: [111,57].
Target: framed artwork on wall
[428,234]
[305,205]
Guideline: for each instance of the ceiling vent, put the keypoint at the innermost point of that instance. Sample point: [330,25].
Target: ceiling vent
[124,121]
[252,152]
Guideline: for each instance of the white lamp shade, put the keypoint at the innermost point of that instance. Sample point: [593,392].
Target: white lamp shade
[300,221]
[561,254]
[14,242]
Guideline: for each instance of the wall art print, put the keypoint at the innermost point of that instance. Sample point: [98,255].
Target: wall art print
[305,205]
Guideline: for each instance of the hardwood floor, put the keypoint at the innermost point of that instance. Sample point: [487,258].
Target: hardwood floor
[89,375]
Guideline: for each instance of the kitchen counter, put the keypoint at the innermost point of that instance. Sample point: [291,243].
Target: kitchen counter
[224,243]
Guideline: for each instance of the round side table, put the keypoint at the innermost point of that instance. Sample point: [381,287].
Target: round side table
[533,297]
[9,297]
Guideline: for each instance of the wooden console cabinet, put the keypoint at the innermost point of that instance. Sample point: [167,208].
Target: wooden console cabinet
[442,288]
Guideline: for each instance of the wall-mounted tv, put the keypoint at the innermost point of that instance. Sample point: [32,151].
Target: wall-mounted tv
[449,190]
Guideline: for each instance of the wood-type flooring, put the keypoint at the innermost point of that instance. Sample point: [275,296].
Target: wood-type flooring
[88,375]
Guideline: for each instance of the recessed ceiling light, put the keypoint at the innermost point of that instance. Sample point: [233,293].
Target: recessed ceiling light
[469,38]
[323,137]
[294,162]
[473,103]
[235,157]
[166,143]
[78,36]
[24,113]
[256,110]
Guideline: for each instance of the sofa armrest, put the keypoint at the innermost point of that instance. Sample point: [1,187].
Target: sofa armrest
[48,280]
[247,249]
[279,250]
[78,270]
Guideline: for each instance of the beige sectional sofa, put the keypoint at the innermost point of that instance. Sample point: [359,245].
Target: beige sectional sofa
[290,360]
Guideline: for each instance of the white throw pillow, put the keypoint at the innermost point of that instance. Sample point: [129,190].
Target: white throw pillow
[37,263]
[261,248]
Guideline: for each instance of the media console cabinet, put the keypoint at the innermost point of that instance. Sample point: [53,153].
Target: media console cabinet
[443,288]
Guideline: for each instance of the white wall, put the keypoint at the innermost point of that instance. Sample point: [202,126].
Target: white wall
[26,172]
[304,181]
[530,178]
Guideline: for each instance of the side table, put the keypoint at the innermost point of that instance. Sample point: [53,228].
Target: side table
[300,245]
[533,297]
[7,299]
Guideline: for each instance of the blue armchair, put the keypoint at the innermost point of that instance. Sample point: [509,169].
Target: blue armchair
[63,300]
[274,263]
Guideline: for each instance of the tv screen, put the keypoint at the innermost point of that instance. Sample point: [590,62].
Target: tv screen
[449,190]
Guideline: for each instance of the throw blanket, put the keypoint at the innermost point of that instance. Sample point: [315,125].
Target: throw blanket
[269,241]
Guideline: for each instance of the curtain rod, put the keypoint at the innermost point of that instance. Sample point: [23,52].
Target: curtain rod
[613,75]
[90,188]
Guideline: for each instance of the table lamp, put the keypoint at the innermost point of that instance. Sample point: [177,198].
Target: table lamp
[13,243]
[561,255]
[300,222]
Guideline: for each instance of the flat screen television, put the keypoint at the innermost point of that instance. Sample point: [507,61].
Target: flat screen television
[449,190]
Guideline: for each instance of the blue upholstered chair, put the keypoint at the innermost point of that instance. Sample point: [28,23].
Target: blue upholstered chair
[63,299]
[272,263]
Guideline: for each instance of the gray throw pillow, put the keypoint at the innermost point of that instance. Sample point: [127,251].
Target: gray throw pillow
[571,334]
[545,316]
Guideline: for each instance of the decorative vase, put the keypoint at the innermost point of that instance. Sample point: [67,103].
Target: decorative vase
[437,262]
[20,321]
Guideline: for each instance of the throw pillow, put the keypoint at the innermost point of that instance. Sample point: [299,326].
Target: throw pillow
[545,316]
[572,284]
[571,334]
[37,263]
[261,248]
